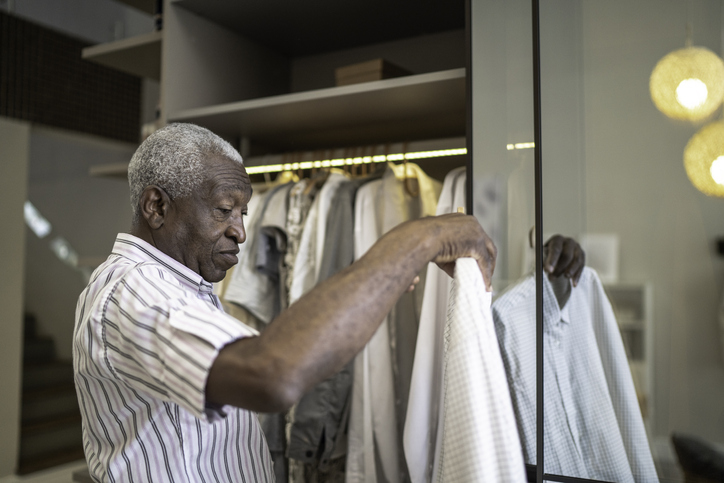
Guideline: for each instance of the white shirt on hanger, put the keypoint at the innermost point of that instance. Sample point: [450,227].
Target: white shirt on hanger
[479,438]
[592,422]
[421,423]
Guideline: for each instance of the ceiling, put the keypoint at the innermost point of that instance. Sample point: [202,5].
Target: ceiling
[296,28]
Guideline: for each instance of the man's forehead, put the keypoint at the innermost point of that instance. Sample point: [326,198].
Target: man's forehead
[225,176]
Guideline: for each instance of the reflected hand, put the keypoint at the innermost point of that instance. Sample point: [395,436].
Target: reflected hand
[564,256]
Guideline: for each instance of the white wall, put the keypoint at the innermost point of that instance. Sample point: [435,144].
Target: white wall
[14,151]
[87,211]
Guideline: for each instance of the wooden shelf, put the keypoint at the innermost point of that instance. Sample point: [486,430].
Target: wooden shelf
[140,55]
[423,106]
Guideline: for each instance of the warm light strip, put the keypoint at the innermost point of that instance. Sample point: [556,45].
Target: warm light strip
[328,163]
[520,146]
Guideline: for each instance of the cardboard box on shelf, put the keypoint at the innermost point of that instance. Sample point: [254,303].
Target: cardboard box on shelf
[372,70]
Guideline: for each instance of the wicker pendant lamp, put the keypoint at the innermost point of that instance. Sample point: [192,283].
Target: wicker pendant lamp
[704,159]
[688,84]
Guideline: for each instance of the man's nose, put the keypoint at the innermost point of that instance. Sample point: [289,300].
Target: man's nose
[236,231]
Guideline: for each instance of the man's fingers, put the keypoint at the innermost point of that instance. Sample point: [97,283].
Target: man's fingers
[581,259]
[487,266]
[555,247]
[415,281]
[564,256]
[566,259]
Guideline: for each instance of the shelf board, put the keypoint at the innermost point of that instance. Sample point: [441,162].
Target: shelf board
[140,55]
[110,170]
[423,106]
[297,29]
[147,6]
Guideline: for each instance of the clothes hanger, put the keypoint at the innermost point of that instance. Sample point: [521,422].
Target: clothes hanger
[409,180]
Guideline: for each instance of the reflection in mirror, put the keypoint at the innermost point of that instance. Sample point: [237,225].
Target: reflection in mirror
[634,353]
[638,378]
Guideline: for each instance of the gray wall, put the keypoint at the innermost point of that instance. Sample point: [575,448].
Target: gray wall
[96,21]
[87,211]
[14,152]
[636,186]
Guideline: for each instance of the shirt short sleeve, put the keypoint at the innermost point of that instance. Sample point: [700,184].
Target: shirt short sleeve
[160,338]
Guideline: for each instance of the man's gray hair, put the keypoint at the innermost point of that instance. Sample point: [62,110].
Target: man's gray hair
[173,159]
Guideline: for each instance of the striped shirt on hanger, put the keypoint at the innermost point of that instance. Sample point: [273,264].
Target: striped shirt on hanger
[147,332]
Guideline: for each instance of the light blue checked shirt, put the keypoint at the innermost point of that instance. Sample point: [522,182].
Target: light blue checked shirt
[592,422]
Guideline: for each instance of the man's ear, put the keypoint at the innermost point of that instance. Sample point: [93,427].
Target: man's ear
[154,203]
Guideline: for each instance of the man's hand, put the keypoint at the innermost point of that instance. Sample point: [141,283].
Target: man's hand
[564,256]
[462,236]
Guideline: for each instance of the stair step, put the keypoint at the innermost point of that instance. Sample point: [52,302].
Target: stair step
[38,349]
[40,404]
[82,476]
[47,374]
[50,435]
[49,460]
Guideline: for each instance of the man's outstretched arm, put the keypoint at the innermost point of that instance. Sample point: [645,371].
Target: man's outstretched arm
[316,336]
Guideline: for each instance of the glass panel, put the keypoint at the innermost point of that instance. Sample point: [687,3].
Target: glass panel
[503,187]
[634,374]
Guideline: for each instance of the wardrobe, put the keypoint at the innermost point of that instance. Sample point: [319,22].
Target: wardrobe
[262,75]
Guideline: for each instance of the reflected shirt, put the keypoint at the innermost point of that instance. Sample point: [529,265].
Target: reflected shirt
[147,332]
[592,422]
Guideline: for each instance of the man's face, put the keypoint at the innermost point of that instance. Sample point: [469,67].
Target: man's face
[207,226]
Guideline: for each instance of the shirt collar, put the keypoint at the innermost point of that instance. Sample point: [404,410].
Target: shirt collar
[139,251]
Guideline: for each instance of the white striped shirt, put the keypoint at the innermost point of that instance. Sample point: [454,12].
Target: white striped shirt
[147,332]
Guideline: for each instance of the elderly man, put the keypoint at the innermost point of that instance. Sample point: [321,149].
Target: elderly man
[167,381]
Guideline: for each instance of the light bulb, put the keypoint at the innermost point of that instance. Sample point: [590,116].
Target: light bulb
[717,170]
[691,93]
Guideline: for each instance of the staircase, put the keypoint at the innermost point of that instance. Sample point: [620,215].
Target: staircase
[50,432]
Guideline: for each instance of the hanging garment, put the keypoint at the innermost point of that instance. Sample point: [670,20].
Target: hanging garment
[311,242]
[421,423]
[374,445]
[318,434]
[248,286]
[311,440]
[300,200]
[592,422]
[479,440]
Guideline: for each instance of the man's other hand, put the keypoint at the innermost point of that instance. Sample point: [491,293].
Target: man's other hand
[564,256]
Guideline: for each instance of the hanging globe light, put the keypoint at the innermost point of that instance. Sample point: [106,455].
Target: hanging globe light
[704,159]
[688,84]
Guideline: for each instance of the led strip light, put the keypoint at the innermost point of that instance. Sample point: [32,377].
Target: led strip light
[329,163]
[520,146]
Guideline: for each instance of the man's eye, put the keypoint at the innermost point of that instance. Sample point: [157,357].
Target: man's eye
[225,211]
